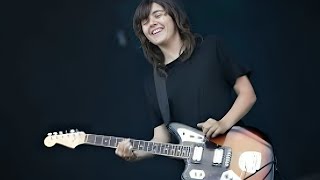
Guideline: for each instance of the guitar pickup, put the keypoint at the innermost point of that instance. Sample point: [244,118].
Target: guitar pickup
[217,156]
[221,157]
[197,154]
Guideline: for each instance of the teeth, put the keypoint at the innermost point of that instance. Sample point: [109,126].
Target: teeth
[156,31]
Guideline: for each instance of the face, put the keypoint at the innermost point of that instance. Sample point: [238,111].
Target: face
[159,28]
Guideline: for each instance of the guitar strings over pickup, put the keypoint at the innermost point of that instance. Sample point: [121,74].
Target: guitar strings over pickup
[221,156]
[217,156]
[197,154]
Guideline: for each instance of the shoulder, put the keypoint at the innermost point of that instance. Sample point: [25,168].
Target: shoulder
[211,40]
[215,39]
[207,42]
[215,43]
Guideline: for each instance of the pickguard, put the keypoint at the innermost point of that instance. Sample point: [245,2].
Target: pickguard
[236,154]
[187,135]
[232,156]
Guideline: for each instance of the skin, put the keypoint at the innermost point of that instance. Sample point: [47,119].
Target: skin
[168,38]
[245,100]
[170,43]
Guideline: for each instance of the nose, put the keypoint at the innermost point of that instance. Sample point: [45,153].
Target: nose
[153,22]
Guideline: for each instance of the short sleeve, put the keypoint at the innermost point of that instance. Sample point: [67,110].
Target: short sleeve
[231,69]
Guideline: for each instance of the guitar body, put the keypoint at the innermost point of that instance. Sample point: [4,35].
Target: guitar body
[236,155]
[245,153]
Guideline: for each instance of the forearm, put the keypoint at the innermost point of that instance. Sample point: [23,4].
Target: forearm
[161,135]
[239,109]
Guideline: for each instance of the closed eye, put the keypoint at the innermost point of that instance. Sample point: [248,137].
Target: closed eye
[158,15]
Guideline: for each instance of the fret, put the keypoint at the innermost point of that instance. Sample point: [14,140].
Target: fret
[164,149]
[106,141]
[173,150]
[141,145]
[135,144]
[155,148]
[98,140]
[186,154]
[149,146]
[189,151]
[145,145]
[178,151]
[113,142]
[184,151]
[168,149]
[90,138]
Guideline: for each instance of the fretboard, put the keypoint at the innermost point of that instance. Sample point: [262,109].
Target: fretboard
[165,149]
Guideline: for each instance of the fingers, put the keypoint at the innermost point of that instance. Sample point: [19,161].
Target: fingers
[124,149]
[215,133]
[209,127]
[211,131]
[200,125]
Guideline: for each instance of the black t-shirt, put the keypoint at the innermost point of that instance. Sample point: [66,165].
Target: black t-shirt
[198,88]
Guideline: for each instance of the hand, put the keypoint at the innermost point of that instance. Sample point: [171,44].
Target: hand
[124,150]
[211,128]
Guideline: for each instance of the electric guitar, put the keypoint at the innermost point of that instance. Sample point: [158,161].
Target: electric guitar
[236,155]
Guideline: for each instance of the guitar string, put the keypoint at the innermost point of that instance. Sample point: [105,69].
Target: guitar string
[271,162]
[187,149]
[182,146]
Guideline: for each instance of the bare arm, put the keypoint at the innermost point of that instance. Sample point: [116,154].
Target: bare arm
[160,134]
[246,98]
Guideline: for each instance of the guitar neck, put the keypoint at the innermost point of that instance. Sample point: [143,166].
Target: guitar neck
[164,149]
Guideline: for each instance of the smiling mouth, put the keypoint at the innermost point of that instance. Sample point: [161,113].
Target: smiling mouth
[156,31]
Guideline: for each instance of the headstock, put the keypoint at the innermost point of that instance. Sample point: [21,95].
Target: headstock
[71,139]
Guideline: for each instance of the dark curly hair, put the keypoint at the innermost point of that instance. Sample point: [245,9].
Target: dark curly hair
[153,52]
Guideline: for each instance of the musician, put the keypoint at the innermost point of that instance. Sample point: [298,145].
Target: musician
[201,76]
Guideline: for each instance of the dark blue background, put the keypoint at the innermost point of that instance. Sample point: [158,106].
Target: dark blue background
[63,66]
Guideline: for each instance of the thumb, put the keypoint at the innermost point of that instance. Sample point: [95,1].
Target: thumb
[199,125]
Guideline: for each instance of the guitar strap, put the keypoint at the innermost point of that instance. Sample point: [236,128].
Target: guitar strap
[161,90]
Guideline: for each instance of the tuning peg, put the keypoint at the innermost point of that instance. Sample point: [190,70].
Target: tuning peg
[49,134]
[60,132]
[55,133]
[72,130]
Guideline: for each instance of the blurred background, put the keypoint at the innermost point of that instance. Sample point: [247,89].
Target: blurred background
[77,64]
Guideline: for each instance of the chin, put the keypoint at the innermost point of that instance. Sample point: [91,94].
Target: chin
[159,41]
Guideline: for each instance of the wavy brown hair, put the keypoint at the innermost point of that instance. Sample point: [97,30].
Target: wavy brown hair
[153,52]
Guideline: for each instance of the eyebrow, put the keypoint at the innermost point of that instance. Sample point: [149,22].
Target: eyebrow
[154,12]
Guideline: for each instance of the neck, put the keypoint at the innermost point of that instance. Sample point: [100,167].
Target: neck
[164,149]
[173,49]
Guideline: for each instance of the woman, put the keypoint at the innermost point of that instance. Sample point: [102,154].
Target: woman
[200,76]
